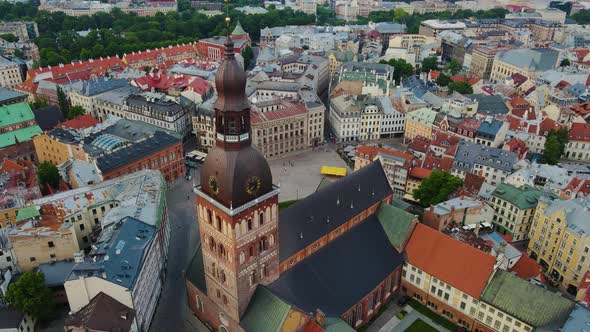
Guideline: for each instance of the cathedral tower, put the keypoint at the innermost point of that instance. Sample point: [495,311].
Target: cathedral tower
[237,204]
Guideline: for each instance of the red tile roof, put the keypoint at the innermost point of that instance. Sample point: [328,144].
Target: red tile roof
[437,163]
[97,67]
[434,74]
[517,146]
[152,55]
[454,262]
[469,80]
[10,166]
[547,125]
[370,152]
[289,109]
[577,186]
[420,173]
[420,144]
[580,132]
[519,102]
[582,109]
[581,53]
[526,268]
[80,122]
[518,79]
[445,140]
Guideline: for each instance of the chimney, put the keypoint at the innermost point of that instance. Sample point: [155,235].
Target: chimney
[502,247]
[320,317]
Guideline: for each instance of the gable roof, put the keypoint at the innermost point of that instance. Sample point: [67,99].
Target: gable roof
[323,280]
[532,304]
[103,313]
[265,313]
[306,221]
[450,260]
[396,223]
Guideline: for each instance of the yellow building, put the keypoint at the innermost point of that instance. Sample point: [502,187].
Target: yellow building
[57,147]
[560,240]
[419,123]
[338,58]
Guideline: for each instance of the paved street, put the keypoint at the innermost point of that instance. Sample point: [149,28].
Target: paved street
[172,313]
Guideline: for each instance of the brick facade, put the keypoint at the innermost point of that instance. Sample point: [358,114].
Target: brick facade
[24,150]
[171,170]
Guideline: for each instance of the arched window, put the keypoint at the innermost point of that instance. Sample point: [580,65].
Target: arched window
[209,216]
[224,299]
[253,279]
[250,251]
[221,250]
[271,240]
[218,223]
[199,303]
[264,271]
[261,218]
[211,244]
[222,276]
[249,224]
[262,245]
[242,257]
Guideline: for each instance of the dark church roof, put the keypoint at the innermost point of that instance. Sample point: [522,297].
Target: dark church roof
[339,202]
[48,117]
[340,274]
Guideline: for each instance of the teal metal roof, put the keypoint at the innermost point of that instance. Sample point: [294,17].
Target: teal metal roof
[22,135]
[529,303]
[395,222]
[265,313]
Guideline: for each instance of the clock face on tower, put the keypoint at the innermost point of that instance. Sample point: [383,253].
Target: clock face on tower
[253,185]
[213,185]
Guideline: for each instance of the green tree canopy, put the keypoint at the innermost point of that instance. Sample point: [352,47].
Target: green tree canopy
[582,16]
[248,56]
[436,188]
[461,87]
[9,37]
[443,80]
[75,111]
[62,100]
[555,145]
[48,174]
[430,63]
[29,294]
[453,67]
[401,69]
[565,63]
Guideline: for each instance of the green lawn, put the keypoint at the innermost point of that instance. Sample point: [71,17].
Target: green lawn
[432,315]
[420,326]
[286,204]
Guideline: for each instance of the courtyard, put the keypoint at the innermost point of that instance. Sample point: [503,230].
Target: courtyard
[299,174]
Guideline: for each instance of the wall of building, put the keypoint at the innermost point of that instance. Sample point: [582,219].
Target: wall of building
[30,251]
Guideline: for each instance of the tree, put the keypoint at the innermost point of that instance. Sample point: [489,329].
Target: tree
[75,111]
[461,87]
[436,188]
[430,63]
[9,37]
[555,145]
[47,174]
[62,100]
[565,63]
[248,55]
[29,294]
[453,67]
[443,80]
[401,69]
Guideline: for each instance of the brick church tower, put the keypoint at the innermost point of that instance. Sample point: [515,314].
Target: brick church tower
[237,204]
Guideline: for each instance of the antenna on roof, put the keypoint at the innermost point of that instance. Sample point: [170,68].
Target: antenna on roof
[338,201]
[301,235]
[359,188]
[327,219]
[351,205]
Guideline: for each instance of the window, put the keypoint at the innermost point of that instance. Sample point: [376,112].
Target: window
[51,244]
[32,259]
[261,218]
[249,224]
[463,305]
[52,256]
[81,227]
[85,239]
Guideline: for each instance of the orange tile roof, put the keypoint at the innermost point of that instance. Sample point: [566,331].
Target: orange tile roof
[526,268]
[10,166]
[469,80]
[420,173]
[454,262]
[152,55]
[80,122]
[580,132]
[97,67]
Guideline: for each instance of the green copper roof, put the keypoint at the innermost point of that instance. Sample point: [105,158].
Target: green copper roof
[398,203]
[238,30]
[396,223]
[26,213]
[22,135]
[524,197]
[345,56]
[529,303]
[337,325]
[15,113]
[265,313]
